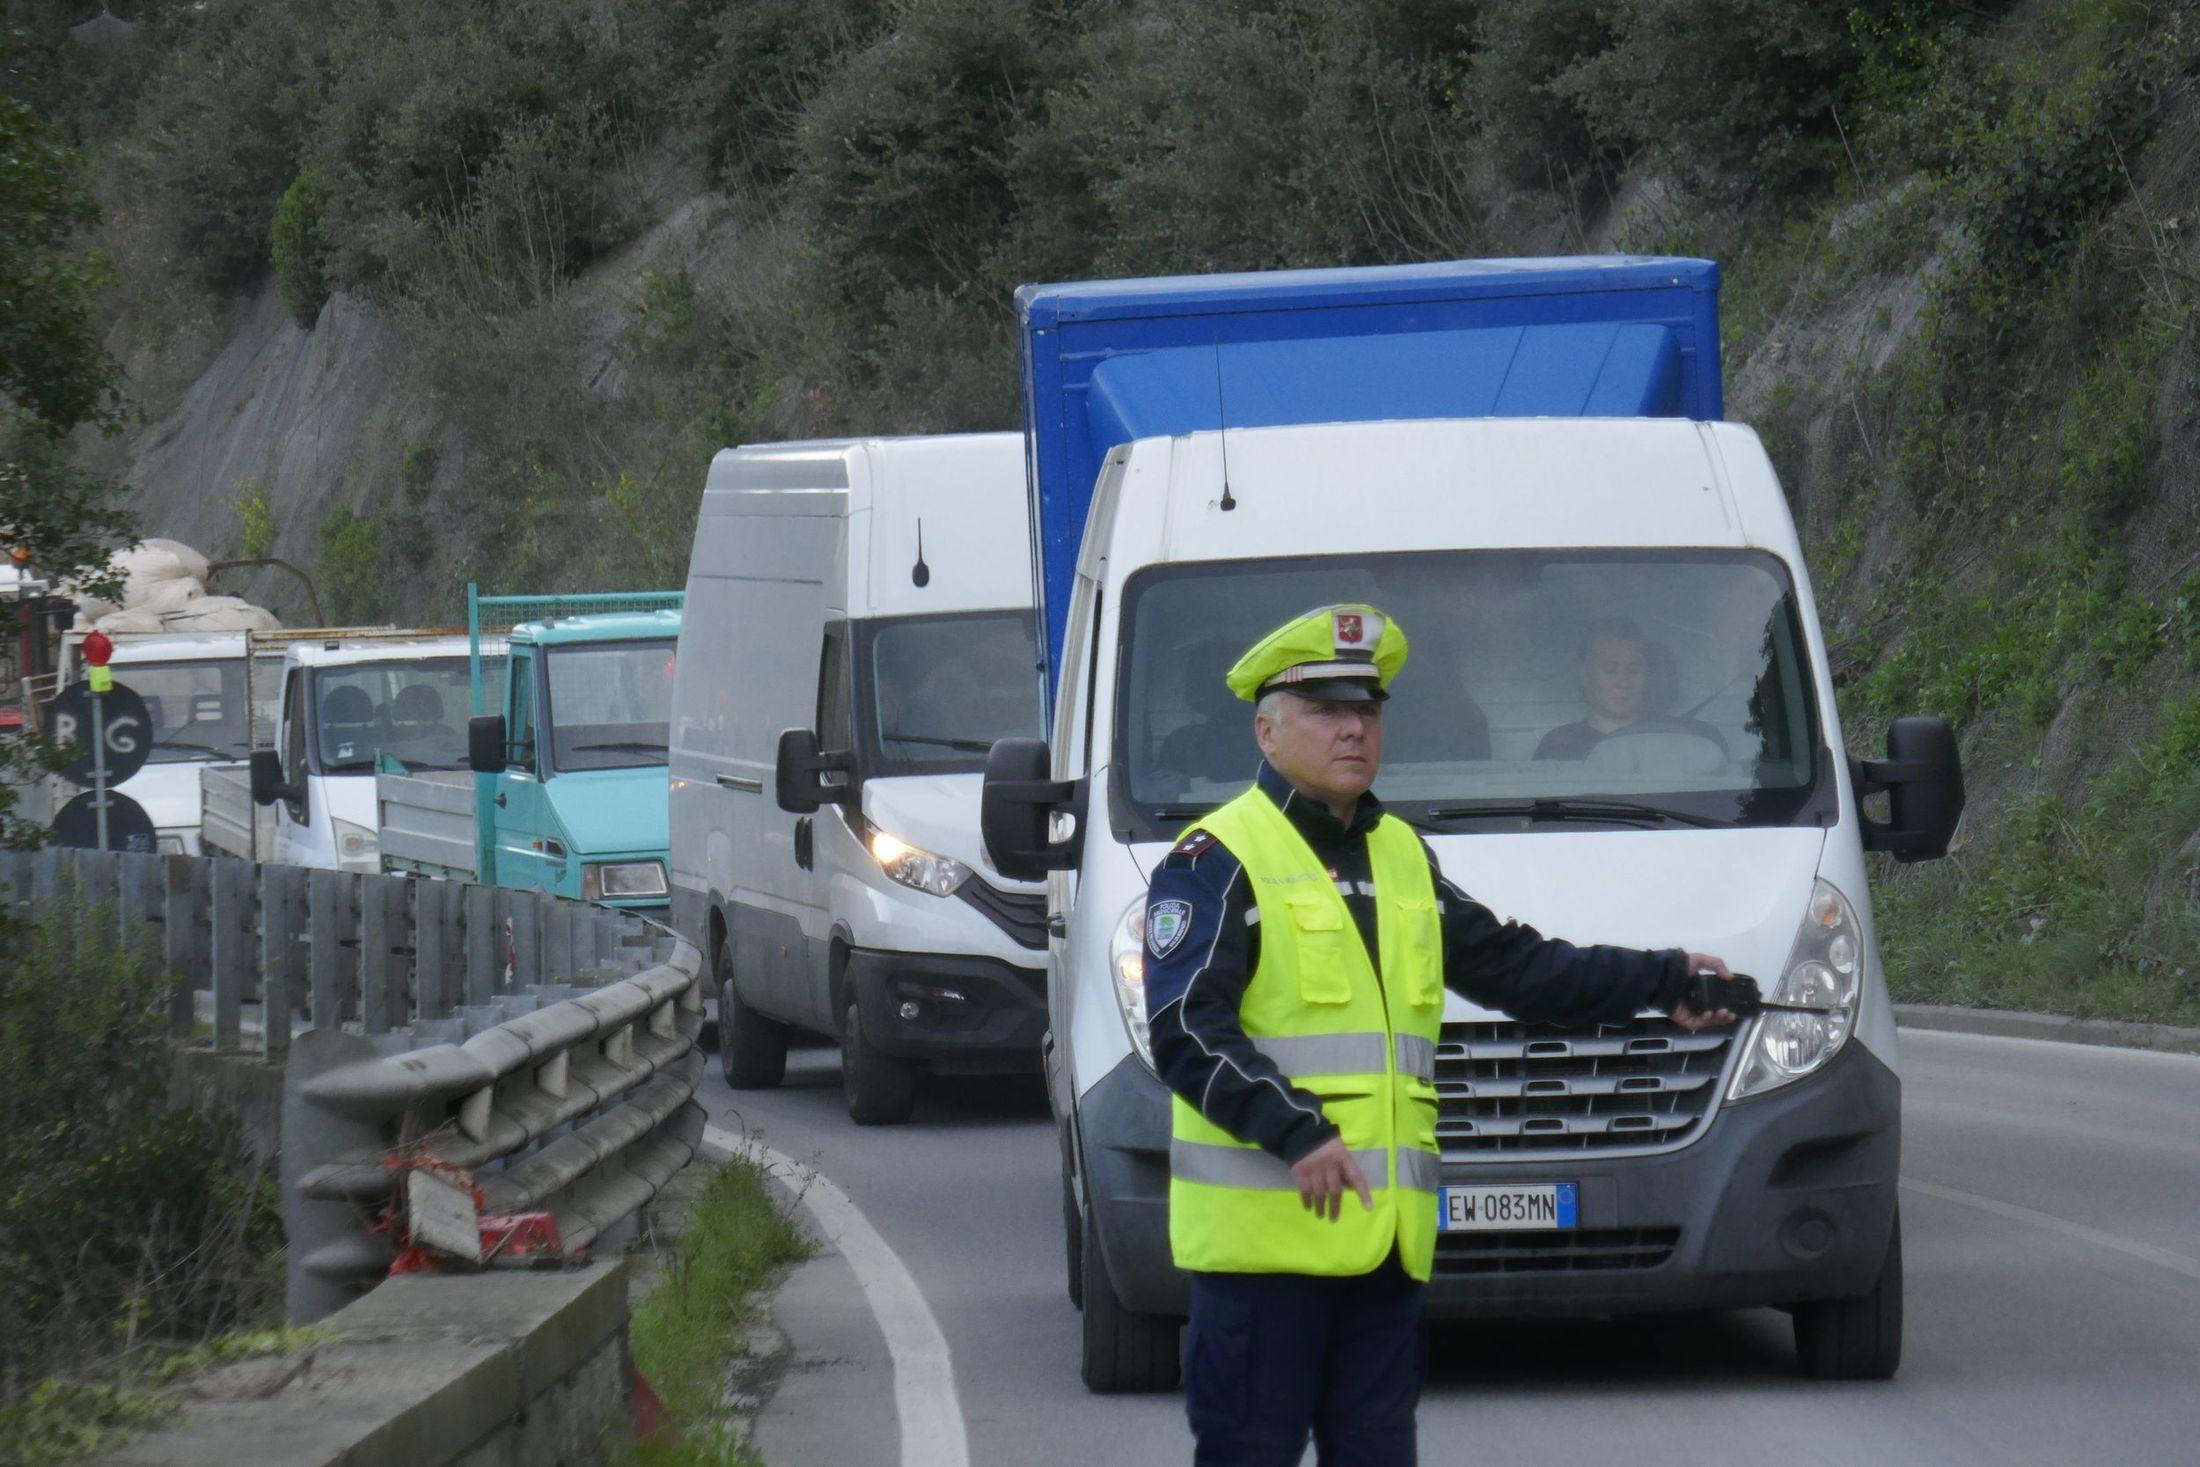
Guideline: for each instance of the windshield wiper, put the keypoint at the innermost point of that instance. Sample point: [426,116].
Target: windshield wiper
[160,744]
[1623,812]
[640,745]
[938,741]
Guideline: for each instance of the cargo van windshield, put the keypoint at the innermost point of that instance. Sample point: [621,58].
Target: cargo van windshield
[939,690]
[610,704]
[1545,689]
[414,711]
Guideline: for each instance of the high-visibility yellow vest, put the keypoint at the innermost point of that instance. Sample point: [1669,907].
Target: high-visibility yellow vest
[1365,1046]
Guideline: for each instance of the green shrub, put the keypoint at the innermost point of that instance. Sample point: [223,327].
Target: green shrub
[123,1221]
[352,569]
[296,243]
[1538,133]
[255,512]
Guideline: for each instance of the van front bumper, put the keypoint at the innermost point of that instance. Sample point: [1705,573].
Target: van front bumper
[1784,1198]
[967,1015]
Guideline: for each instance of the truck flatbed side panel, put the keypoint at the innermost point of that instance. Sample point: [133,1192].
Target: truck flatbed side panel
[1109,362]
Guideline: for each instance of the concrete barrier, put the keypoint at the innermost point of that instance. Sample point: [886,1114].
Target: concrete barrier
[480,1370]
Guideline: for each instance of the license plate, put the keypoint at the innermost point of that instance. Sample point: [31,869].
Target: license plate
[1536,1207]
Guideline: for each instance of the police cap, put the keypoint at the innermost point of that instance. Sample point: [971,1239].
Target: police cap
[1347,653]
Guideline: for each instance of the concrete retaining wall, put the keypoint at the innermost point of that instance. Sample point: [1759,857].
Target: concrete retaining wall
[498,1369]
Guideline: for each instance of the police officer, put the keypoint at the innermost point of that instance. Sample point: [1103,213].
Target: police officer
[1298,945]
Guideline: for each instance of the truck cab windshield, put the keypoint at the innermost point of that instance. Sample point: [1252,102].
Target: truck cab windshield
[610,704]
[1621,688]
[198,709]
[415,712]
[941,689]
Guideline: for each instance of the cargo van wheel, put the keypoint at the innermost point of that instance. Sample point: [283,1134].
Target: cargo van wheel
[882,1089]
[1856,1339]
[1123,1352]
[752,1050]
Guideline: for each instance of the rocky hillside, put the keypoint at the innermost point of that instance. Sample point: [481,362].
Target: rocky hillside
[430,289]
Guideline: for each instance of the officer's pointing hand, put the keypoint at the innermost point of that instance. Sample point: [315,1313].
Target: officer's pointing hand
[1325,1174]
[1688,1017]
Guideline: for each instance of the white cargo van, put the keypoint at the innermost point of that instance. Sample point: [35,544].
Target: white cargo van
[194,687]
[858,633]
[345,699]
[1734,1167]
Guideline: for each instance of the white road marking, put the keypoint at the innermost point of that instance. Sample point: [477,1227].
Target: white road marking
[2145,1252]
[925,1400]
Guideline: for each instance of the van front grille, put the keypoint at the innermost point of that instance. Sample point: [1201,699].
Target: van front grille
[1020,914]
[1520,1089]
[1460,1255]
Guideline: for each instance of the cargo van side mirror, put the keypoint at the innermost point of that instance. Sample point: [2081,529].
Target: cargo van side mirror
[1922,776]
[487,745]
[267,779]
[799,779]
[1017,805]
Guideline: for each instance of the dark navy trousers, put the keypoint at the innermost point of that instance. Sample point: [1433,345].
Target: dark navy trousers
[1273,1358]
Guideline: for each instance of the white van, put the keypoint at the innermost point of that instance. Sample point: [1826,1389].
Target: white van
[194,687]
[1627,1167]
[858,633]
[346,699]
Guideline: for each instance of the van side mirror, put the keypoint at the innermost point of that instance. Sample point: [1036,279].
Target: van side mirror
[487,745]
[1016,807]
[1922,776]
[799,777]
[267,779]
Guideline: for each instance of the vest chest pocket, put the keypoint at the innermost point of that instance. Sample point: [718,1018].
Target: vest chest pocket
[1318,932]
[1421,947]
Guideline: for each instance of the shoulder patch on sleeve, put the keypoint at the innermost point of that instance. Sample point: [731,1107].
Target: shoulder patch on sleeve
[1166,924]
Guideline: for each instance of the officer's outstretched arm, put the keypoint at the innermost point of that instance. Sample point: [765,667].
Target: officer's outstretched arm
[1511,967]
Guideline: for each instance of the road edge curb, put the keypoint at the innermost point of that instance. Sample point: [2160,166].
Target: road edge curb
[2059,1028]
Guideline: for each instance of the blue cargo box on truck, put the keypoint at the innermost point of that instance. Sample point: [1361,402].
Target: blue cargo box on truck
[1108,362]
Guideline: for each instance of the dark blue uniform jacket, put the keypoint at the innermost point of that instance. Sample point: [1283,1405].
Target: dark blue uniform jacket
[1193,989]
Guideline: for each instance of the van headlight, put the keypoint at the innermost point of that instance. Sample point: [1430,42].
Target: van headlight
[1825,970]
[939,875]
[357,847]
[1127,965]
[621,880]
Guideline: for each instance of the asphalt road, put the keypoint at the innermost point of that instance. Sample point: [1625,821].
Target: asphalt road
[2051,1225]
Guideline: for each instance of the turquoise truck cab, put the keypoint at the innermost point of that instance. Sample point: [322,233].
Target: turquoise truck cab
[578,806]
[570,774]
[563,785]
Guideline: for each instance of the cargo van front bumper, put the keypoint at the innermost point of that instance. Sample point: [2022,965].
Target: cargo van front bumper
[1784,1198]
[965,1014]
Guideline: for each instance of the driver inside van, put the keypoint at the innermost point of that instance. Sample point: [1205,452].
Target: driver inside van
[1614,666]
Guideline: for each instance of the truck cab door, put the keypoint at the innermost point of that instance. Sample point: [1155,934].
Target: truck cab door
[530,848]
[281,832]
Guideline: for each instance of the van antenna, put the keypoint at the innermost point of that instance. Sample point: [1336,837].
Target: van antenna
[920,573]
[1222,416]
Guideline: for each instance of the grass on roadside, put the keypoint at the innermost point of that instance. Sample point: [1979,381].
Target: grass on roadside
[692,1324]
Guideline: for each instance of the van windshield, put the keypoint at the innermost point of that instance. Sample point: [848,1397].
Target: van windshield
[941,689]
[198,708]
[415,712]
[610,704]
[1543,688]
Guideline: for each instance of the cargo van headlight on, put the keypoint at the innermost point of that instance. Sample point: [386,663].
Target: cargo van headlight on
[939,875]
[622,880]
[1824,971]
[357,847]
[1127,965]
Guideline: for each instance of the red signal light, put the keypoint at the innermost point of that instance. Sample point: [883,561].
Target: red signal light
[98,648]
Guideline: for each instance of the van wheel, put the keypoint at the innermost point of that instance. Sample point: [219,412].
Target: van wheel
[882,1089]
[752,1049]
[1855,1339]
[1123,1352]
[1073,1241]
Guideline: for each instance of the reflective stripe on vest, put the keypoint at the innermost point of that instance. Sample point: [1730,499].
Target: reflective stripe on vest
[1302,1055]
[1359,1040]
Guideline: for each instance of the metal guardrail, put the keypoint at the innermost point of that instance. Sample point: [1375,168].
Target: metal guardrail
[414,1028]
